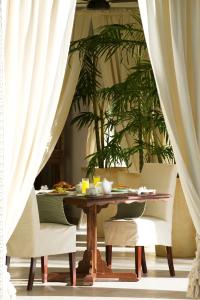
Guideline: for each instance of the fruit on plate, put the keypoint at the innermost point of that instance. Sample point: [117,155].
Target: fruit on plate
[120,186]
[63,184]
[60,190]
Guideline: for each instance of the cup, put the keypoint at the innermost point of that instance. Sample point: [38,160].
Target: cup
[85,185]
[107,186]
[91,191]
[96,179]
[79,188]
[99,187]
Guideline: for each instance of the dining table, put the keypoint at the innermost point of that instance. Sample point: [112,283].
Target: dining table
[92,267]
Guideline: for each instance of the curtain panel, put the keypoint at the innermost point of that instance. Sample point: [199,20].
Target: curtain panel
[80,29]
[172,34]
[36,38]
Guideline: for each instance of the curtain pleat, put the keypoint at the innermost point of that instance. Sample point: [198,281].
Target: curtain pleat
[80,30]
[171,30]
[36,38]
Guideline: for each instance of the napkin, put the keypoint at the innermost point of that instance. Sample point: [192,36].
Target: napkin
[41,191]
[144,190]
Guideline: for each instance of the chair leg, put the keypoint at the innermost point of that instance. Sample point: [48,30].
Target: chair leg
[44,268]
[109,255]
[7,261]
[138,261]
[144,265]
[31,273]
[72,268]
[170,260]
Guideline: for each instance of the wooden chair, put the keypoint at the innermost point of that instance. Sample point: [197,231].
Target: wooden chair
[151,224]
[32,239]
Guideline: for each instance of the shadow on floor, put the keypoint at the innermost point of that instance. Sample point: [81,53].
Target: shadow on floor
[100,292]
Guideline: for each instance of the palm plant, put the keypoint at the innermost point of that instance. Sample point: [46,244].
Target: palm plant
[133,104]
[136,107]
[86,97]
[93,109]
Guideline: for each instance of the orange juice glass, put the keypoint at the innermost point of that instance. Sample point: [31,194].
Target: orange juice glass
[96,179]
[85,185]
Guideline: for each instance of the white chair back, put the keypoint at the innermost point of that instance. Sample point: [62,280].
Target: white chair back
[24,239]
[128,179]
[161,177]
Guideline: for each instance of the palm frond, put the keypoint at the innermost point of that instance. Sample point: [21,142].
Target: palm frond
[88,82]
[134,105]
[84,119]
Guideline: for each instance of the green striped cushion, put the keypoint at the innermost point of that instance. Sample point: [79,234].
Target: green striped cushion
[51,209]
[131,210]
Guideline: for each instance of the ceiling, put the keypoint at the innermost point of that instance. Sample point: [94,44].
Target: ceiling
[113,3]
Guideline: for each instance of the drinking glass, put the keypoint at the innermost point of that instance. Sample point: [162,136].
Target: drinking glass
[85,184]
[96,179]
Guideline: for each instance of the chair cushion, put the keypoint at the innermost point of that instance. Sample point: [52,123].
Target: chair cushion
[56,239]
[51,209]
[143,231]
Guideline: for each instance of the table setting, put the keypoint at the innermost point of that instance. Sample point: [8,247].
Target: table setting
[92,197]
[97,188]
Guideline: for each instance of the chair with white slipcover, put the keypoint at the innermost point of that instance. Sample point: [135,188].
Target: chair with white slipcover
[32,239]
[152,226]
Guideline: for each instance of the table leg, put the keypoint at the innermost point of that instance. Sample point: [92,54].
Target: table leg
[92,267]
[87,267]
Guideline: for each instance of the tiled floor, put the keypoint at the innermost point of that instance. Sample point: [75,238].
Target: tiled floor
[157,285]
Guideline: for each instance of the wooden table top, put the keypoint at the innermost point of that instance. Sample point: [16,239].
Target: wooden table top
[114,198]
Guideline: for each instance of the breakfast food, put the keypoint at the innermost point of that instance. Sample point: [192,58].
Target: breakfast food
[120,186]
[63,187]
[63,184]
[60,190]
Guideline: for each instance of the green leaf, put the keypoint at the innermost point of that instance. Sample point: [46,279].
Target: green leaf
[84,119]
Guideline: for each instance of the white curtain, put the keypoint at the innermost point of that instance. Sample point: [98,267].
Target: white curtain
[172,34]
[35,42]
[81,29]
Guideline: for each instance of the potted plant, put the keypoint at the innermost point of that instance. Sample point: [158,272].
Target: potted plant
[133,104]
[93,109]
